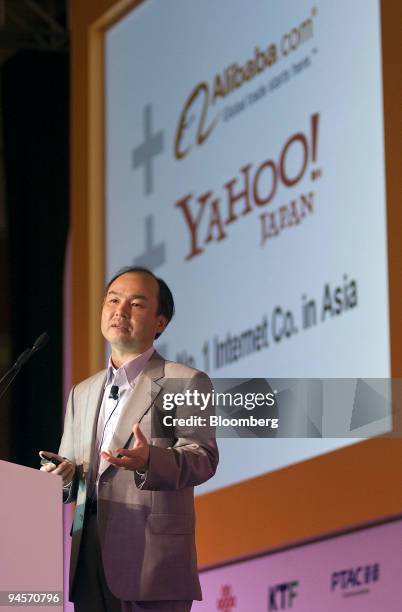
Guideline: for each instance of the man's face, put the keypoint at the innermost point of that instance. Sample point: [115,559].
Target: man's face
[129,314]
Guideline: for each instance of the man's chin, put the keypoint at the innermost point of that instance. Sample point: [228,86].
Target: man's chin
[119,338]
[119,334]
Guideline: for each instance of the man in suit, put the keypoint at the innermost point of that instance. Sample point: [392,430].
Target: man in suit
[133,546]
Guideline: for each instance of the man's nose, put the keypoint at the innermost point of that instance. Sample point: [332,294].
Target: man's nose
[122,310]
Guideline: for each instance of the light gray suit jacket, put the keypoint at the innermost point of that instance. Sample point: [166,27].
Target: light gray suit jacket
[146,524]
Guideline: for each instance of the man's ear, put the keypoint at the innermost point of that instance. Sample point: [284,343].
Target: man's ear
[162,323]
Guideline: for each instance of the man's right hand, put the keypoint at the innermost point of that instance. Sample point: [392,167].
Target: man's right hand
[65,469]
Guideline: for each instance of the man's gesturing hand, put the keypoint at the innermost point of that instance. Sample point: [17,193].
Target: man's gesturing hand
[135,458]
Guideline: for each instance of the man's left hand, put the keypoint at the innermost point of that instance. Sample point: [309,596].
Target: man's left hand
[135,458]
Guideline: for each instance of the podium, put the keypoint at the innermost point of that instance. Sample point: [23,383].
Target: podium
[31,539]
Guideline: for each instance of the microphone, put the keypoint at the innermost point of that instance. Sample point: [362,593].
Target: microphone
[26,355]
[22,359]
[40,342]
[114,392]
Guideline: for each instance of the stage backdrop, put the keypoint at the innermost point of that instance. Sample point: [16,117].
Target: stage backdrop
[245,165]
[335,490]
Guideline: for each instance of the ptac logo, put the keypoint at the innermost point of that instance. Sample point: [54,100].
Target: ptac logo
[227,601]
[281,596]
[354,577]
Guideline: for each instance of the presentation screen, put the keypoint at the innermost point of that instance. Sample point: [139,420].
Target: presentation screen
[245,166]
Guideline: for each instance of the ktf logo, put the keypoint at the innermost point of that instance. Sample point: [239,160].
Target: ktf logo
[281,596]
[227,601]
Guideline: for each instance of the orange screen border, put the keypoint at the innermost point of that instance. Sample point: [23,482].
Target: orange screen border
[351,486]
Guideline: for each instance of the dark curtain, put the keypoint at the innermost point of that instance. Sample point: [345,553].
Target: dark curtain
[35,90]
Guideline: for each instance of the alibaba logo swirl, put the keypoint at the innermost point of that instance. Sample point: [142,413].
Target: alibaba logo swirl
[202,131]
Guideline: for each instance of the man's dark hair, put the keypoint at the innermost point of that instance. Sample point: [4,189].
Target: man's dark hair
[165,298]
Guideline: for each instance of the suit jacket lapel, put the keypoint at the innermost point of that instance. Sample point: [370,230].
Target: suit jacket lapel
[142,397]
[90,418]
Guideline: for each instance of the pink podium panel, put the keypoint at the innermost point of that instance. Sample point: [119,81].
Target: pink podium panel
[359,571]
[31,541]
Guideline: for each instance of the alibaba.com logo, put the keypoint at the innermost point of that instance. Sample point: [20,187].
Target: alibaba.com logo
[202,100]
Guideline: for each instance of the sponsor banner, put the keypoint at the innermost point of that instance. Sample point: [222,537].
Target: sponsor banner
[359,571]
